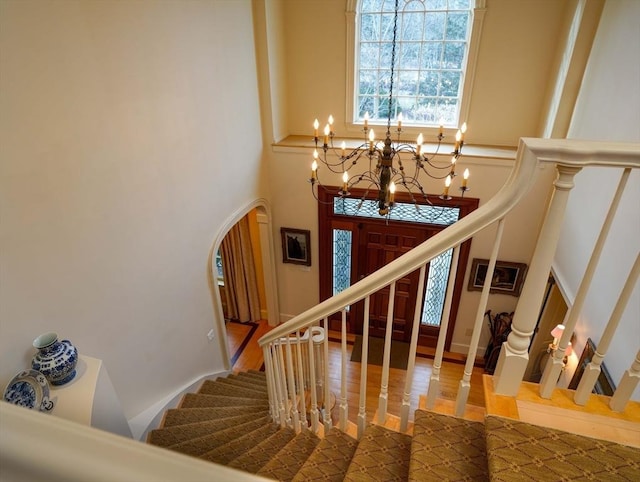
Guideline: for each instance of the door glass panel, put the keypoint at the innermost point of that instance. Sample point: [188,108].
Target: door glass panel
[436,289]
[341,260]
[417,213]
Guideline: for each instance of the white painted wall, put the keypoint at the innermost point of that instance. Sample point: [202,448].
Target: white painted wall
[124,128]
[608,108]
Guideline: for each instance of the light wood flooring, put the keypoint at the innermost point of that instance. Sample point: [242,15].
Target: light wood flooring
[246,354]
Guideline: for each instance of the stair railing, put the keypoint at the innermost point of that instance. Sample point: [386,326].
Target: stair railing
[570,157]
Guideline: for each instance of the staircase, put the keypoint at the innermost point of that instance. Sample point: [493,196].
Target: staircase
[227,422]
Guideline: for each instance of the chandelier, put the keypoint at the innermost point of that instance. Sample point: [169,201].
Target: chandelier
[384,166]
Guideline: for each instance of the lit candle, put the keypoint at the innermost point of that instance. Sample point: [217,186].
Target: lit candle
[330,122]
[465,178]
[344,148]
[458,139]
[314,170]
[447,183]
[366,121]
[371,139]
[345,179]
[392,192]
[326,134]
[441,128]
[419,144]
[453,165]
[400,121]
[316,124]
[463,129]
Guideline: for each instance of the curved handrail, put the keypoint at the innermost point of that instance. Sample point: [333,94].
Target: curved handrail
[530,151]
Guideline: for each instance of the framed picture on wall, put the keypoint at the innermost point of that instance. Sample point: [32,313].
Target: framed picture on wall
[296,246]
[604,385]
[507,277]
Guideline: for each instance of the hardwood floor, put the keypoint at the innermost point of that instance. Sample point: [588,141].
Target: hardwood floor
[246,354]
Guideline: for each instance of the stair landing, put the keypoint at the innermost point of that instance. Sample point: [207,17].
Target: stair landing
[595,419]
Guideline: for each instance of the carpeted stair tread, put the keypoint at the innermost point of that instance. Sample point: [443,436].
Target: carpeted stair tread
[237,382]
[331,458]
[447,448]
[521,451]
[291,457]
[164,437]
[214,387]
[257,457]
[183,416]
[225,453]
[259,373]
[207,443]
[195,400]
[382,454]
[258,380]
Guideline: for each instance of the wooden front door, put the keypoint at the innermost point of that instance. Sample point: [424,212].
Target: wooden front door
[379,244]
[353,246]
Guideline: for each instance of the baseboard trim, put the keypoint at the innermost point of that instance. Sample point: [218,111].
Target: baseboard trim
[150,418]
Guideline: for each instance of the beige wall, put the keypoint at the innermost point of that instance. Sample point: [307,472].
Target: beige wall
[516,57]
[120,124]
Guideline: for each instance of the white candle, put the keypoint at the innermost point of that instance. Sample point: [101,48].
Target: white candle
[316,124]
[392,192]
[447,183]
[465,177]
[366,120]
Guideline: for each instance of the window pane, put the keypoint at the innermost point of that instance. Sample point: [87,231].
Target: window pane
[369,27]
[457,26]
[412,26]
[431,55]
[341,260]
[407,83]
[450,84]
[410,55]
[453,55]
[434,26]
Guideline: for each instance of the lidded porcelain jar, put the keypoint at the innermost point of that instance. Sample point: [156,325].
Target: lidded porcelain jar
[56,360]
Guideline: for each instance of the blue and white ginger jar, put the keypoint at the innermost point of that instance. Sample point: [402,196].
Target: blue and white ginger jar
[56,360]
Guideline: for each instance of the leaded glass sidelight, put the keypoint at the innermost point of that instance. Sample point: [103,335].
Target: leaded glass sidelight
[341,260]
[436,289]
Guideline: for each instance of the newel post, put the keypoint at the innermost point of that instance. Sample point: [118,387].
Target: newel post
[514,355]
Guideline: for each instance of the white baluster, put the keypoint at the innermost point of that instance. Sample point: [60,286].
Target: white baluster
[283,378]
[268,369]
[301,381]
[415,331]
[555,363]
[514,355]
[278,374]
[312,374]
[434,381]
[464,386]
[386,357]
[325,368]
[344,407]
[292,388]
[627,385]
[362,410]
[592,370]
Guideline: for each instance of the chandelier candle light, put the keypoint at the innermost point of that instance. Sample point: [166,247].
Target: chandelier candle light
[381,173]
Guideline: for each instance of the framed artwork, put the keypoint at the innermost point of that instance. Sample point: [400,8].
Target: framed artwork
[296,246]
[604,385]
[507,277]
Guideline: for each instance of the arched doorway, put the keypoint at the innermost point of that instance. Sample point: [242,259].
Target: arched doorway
[260,213]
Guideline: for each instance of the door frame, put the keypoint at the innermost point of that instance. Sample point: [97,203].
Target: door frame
[326,217]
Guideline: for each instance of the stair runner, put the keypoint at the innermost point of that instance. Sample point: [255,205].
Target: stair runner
[227,422]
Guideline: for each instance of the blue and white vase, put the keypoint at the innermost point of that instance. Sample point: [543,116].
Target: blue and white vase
[56,360]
